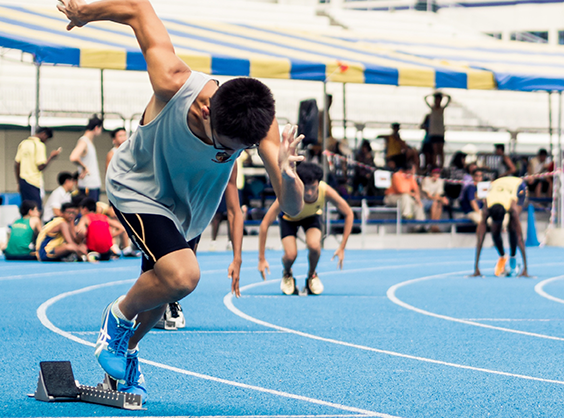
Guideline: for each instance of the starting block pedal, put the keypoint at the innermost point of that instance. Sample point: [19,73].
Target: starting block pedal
[303,291]
[56,383]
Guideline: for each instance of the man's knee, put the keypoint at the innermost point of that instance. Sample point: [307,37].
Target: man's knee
[290,255]
[180,280]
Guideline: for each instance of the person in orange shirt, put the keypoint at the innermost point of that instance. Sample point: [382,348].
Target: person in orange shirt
[404,191]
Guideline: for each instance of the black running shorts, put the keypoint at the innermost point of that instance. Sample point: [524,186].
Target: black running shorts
[155,235]
[290,228]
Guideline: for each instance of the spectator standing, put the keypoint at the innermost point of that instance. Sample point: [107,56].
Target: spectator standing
[119,136]
[363,181]
[31,159]
[433,189]
[21,244]
[85,157]
[469,202]
[506,166]
[404,191]
[437,126]
[539,165]
[426,146]
[398,153]
[62,194]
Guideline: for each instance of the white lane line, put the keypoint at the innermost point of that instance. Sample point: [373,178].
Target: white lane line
[63,273]
[512,319]
[42,315]
[392,296]
[228,302]
[254,416]
[182,332]
[539,288]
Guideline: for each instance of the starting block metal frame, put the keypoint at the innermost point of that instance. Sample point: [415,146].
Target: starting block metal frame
[56,383]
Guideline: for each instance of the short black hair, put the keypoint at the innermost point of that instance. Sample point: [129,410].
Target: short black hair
[77,199]
[89,204]
[47,131]
[94,122]
[497,213]
[309,173]
[115,131]
[26,206]
[242,109]
[500,146]
[64,176]
[395,125]
[542,151]
[68,205]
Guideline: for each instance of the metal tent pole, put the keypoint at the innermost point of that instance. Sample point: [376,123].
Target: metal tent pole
[550,121]
[560,176]
[345,112]
[102,94]
[324,157]
[37,96]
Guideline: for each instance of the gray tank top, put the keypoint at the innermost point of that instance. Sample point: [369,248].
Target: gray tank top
[164,169]
[92,180]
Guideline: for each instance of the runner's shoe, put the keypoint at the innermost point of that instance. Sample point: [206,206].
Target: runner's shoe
[512,266]
[134,382]
[500,266]
[288,283]
[174,313]
[111,346]
[314,285]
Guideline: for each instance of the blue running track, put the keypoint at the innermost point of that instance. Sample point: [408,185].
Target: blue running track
[400,333]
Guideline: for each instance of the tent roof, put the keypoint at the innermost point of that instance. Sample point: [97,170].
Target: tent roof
[230,49]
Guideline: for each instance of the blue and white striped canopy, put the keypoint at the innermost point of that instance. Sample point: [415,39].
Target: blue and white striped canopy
[230,49]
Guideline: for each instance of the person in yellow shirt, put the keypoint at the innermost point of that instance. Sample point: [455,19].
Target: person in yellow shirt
[31,159]
[505,197]
[58,238]
[316,192]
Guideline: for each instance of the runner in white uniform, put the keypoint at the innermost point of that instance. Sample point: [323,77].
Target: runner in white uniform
[167,180]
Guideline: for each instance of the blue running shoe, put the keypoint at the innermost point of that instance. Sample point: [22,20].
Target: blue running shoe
[111,346]
[134,382]
[512,263]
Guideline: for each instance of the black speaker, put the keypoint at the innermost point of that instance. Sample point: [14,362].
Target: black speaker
[308,121]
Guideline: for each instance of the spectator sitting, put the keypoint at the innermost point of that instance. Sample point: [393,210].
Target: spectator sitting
[363,181]
[62,194]
[433,189]
[57,240]
[469,203]
[120,238]
[95,229]
[398,153]
[506,166]
[539,165]
[405,192]
[21,244]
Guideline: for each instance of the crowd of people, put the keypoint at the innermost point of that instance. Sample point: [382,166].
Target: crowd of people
[72,224]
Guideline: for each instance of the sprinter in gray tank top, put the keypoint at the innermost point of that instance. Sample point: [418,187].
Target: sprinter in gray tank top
[173,171]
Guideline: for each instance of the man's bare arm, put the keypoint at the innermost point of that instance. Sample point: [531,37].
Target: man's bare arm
[279,161]
[235,220]
[166,71]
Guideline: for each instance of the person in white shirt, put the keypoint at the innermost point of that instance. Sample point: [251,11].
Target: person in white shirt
[85,157]
[433,189]
[62,194]
[119,136]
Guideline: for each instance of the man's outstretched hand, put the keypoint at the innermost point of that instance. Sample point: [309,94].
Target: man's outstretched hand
[287,155]
[70,8]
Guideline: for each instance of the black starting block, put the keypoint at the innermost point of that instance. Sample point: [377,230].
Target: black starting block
[56,383]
